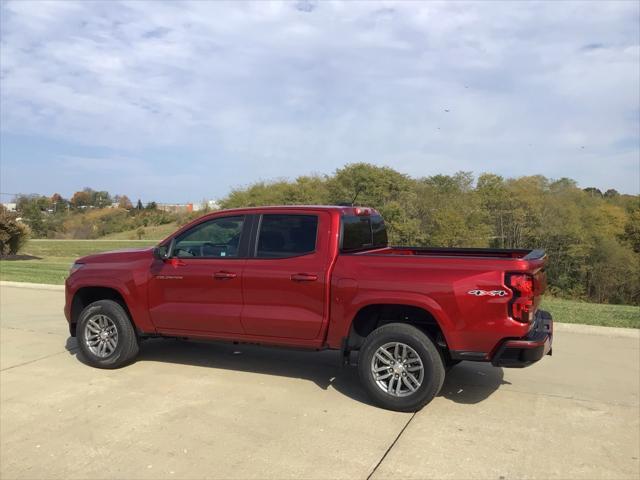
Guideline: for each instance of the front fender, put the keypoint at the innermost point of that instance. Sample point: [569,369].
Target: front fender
[132,288]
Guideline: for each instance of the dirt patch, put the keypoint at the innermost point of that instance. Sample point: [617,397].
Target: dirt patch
[19,257]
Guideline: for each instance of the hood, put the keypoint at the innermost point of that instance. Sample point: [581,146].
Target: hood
[124,255]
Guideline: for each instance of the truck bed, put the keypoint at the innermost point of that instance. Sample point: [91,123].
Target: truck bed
[447,281]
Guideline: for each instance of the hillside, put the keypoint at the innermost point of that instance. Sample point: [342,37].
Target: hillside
[154,232]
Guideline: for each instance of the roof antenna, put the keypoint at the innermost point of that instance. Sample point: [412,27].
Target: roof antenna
[354,198]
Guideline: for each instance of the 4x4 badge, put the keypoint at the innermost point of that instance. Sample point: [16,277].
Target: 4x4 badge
[490,293]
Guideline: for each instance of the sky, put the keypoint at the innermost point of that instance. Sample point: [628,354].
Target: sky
[178,102]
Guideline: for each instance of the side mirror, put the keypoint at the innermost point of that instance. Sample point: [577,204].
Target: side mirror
[161,252]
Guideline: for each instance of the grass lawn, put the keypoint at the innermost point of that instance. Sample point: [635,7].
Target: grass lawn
[54,257]
[570,311]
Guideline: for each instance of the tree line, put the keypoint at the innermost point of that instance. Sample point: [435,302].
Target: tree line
[592,238]
[87,214]
[86,198]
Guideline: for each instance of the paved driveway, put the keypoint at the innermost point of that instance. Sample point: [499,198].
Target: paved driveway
[196,410]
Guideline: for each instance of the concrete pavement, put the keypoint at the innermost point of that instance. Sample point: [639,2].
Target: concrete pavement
[197,410]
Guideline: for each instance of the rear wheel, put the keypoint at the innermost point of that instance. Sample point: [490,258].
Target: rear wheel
[400,367]
[105,335]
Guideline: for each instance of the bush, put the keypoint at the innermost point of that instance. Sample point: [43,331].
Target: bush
[13,235]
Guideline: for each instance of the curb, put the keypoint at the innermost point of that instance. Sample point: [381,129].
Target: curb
[597,330]
[33,286]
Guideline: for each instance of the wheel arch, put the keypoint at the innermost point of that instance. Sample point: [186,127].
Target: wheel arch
[88,294]
[374,315]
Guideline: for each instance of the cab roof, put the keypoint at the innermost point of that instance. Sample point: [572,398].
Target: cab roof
[344,210]
[335,209]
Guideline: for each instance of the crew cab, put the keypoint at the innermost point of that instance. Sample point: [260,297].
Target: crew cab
[317,277]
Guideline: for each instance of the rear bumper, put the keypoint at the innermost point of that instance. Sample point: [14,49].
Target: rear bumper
[522,352]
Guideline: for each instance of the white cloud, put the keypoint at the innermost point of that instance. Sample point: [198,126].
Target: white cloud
[280,89]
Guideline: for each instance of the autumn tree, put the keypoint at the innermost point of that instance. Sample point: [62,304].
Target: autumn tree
[124,202]
[81,199]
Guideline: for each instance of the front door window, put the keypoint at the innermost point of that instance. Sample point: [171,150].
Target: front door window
[214,239]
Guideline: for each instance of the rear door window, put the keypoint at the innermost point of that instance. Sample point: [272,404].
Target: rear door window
[282,236]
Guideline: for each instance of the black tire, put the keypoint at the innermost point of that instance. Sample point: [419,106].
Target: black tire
[126,347]
[434,370]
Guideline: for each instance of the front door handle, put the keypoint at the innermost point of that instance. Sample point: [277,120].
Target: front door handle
[304,277]
[224,275]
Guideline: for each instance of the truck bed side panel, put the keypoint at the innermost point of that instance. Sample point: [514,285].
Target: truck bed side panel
[440,285]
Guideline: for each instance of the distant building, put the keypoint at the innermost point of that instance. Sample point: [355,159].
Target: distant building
[11,207]
[176,207]
[207,205]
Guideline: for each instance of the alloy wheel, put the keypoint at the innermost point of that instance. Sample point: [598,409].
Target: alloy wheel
[101,336]
[397,369]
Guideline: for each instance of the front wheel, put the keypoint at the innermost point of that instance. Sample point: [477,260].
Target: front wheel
[105,335]
[400,367]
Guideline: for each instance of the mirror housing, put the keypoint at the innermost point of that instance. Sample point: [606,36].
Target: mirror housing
[161,252]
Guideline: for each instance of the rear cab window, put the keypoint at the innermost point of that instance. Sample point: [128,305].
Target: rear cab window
[362,233]
[286,235]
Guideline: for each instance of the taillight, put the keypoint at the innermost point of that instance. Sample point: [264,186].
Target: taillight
[521,305]
[522,283]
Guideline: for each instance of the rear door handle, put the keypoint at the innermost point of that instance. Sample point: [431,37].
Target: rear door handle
[304,277]
[224,275]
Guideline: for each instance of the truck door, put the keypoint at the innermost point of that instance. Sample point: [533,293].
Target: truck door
[199,288]
[284,277]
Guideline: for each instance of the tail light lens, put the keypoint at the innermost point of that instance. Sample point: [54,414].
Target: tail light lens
[521,306]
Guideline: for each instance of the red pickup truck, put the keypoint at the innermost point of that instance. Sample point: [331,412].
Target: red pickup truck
[317,277]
